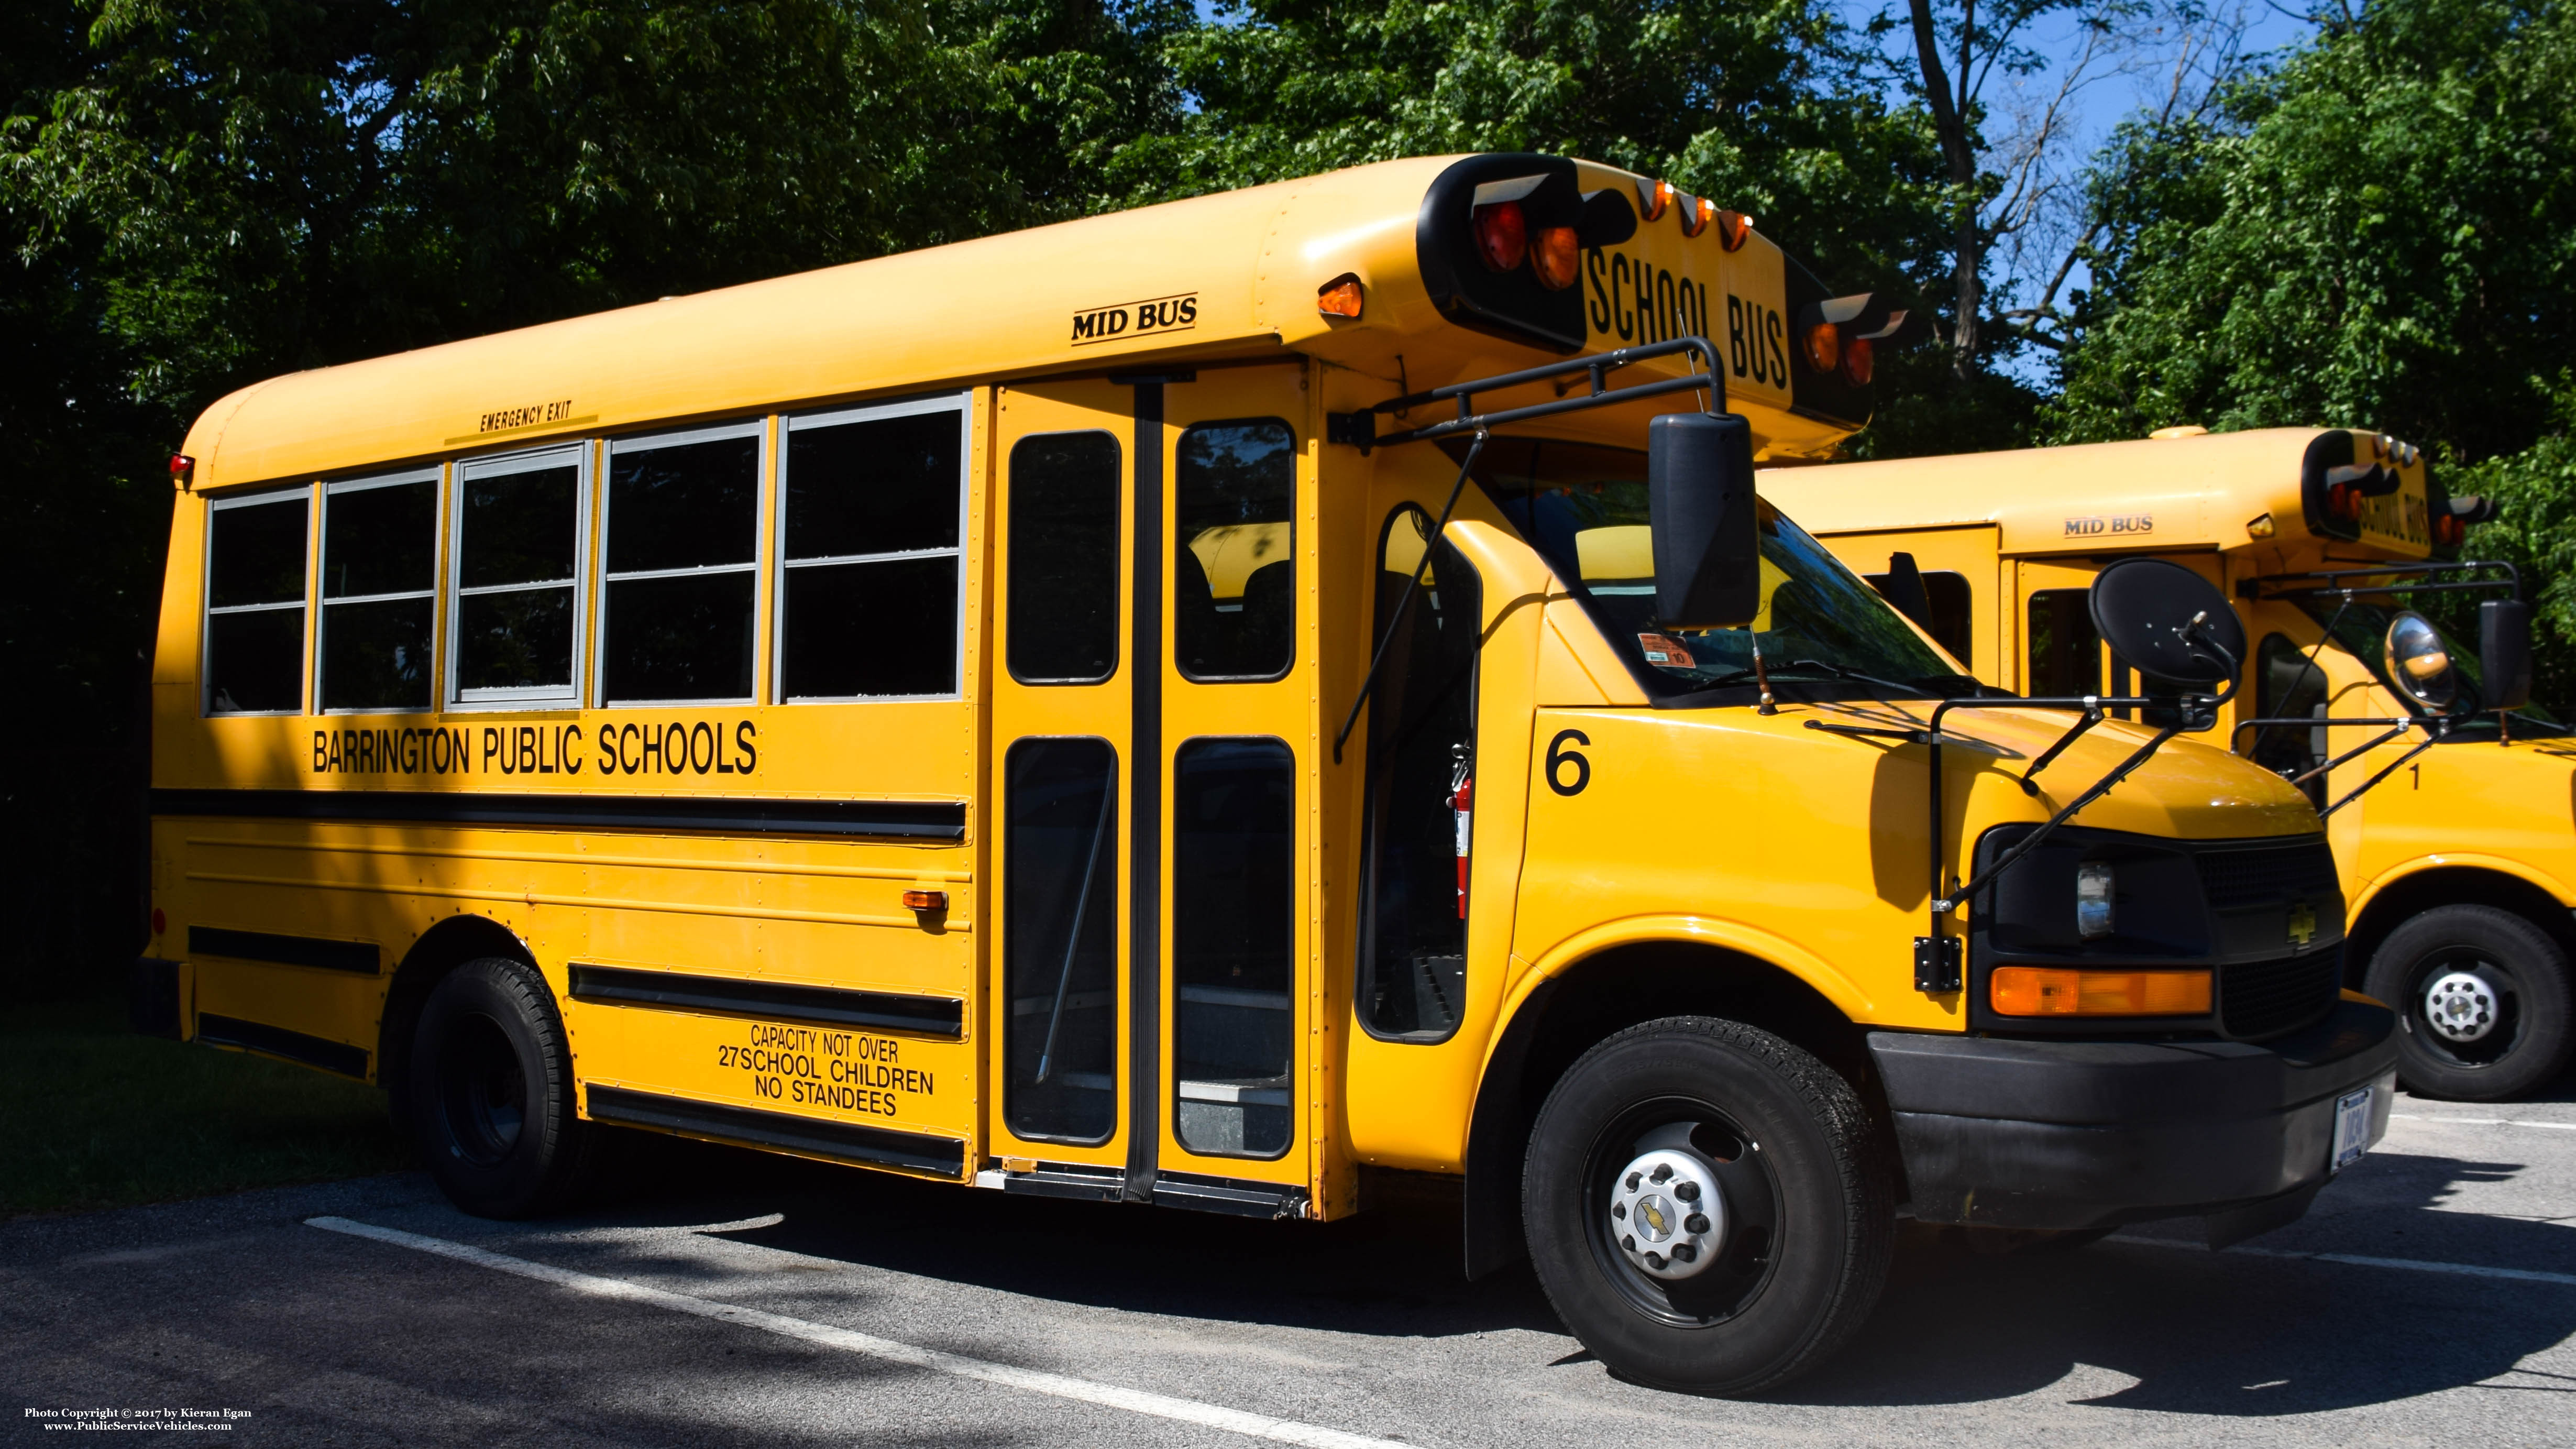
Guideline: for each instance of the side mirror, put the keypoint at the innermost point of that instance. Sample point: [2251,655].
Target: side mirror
[1699,496]
[2504,652]
[2168,621]
[2419,663]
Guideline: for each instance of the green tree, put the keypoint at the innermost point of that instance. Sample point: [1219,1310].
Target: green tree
[2378,233]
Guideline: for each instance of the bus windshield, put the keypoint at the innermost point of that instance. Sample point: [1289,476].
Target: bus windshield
[1824,633]
[2361,627]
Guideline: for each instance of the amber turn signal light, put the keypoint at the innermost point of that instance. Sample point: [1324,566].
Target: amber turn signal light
[1695,213]
[1557,257]
[2051,991]
[1824,345]
[1654,200]
[1341,297]
[925,900]
[1734,229]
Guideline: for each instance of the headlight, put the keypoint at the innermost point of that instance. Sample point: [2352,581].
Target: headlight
[2093,899]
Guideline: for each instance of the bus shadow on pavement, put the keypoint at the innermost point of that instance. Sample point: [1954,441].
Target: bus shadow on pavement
[1393,1270]
[2237,1334]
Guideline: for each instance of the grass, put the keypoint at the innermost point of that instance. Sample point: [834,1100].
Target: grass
[93,1116]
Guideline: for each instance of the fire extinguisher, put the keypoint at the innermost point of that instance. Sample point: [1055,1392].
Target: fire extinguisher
[1462,805]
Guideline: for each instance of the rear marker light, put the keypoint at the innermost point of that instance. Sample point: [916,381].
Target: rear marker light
[925,900]
[1654,198]
[1341,297]
[1557,257]
[1734,229]
[183,469]
[160,922]
[1694,213]
[1502,235]
[2049,991]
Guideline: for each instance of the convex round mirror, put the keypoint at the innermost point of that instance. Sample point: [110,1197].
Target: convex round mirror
[2144,607]
[2420,663]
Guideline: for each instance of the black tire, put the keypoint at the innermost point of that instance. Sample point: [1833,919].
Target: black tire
[1809,1219]
[2524,978]
[490,1093]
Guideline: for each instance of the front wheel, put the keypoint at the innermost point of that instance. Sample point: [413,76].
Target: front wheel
[1707,1206]
[491,1092]
[2481,997]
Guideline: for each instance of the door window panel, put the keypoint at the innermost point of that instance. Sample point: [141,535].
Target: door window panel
[1060,913]
[2065,652]
[683,546]
[518,551]
[1234,579]
[1234,915]
[1064,559]
[872,515]
[255,559]
[2286,684]
[379,592]
[1421,743]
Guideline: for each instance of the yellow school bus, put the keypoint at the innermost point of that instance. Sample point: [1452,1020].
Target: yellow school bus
[1209,706]
[2444,790]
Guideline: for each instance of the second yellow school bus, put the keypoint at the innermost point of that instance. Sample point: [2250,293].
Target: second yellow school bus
[2448,815]
[1186,706]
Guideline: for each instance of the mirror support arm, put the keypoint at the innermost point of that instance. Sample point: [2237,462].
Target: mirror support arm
[2092,717]
[2431,738]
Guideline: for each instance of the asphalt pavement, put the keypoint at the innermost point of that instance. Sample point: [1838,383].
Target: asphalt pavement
[719,1297]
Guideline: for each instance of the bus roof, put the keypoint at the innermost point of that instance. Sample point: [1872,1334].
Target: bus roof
[2224,491]
[1229,275]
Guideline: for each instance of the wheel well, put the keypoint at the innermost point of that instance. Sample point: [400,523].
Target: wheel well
[441,949]
[2451,886]
[1606,993]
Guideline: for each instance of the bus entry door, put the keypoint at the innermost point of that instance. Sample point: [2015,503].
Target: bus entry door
[1152,727]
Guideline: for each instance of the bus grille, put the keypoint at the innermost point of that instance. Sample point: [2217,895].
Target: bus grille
[2264,874]
[2265,998]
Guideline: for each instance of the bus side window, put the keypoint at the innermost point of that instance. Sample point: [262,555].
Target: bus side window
[255,552]
[2065,653]
[2287,684]
[379,592]
[518,548]
[1234,571]
[873,514]
[1948,592]
[683,547]
[1063,626]
[1421,739]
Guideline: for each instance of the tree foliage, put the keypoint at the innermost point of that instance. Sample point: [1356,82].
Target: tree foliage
[2379,232]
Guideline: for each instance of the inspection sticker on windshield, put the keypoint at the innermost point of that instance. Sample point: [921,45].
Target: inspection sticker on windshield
[1667,651]
[2352,1127]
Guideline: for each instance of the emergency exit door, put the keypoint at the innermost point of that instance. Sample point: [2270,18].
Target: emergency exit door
[1153,723]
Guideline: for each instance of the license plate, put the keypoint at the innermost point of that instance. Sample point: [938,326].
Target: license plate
[2352,1127]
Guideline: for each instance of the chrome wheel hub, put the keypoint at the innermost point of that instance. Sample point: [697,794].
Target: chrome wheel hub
[2460,1006]
[1667,1215]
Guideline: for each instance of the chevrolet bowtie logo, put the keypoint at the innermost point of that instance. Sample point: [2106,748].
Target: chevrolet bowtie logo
[2303,923]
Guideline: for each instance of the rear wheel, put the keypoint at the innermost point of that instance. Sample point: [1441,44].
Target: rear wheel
[2481,997]
[1706,1206]
[490,1092]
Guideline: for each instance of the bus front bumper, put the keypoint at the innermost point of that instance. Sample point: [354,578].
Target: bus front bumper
[2070,1135]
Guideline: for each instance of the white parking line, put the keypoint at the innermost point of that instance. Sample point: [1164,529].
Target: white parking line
[2413,1265]
[2480,1121]
[1161,1406]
